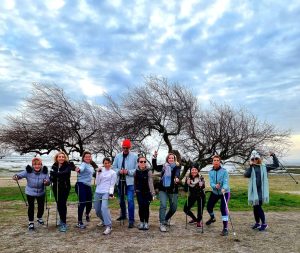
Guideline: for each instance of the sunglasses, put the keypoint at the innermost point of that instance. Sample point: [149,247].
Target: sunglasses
[142,161]
[125,148]
[255,159]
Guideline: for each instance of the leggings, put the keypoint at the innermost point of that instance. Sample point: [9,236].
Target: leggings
[40,201]
[190,203]
[85,196]
[259,213]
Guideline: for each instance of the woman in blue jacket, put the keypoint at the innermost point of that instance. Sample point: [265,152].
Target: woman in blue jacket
[37,177]
[219,182]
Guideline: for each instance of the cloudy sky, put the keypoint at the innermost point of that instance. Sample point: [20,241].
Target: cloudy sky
[245,53]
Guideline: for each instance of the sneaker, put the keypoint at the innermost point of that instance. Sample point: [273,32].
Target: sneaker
[101,224]
[87,218]
[210,221]
[191,222]
[146,226]
[40,221]
[256,225]
[130,225]
[121,218]
[63,227]
[81,225]
[162,228]
[141,226]
[224,232]
[107,230]
[263,227]
[199,224]
[31,226]
[167,222]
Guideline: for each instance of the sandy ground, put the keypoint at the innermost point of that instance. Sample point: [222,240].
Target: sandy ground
[282,235]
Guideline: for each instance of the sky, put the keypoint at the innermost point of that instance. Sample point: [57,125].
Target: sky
[243,53]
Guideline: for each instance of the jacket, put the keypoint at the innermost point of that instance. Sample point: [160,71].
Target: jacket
[35,180]
[219,176]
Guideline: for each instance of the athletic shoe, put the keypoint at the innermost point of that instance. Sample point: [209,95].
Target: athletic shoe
[162,228]
[141,226]
[101,224]
[191,222]
[210,221]
[81,225]
[40,221]
[146,226]
[87,218]
[130,224]
[167,222]
[199,224]
[263,227]
[121,218]
[31,226]
[224,232]
[107,230]
[63,227]
[256,225]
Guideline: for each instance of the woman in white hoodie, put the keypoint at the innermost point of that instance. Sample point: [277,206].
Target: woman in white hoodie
[105,181]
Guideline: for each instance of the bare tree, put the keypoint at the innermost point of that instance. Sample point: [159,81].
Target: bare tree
[158,106]
[52,121]
[230,133]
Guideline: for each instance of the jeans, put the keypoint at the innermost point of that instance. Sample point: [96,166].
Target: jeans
[40,200]
[101,208]
[173,199]
[128,190]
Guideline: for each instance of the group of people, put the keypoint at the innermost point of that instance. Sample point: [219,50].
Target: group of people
[132,176]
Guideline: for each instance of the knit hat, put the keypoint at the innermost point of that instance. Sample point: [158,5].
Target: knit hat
[254,154]
[36,160]
[126,143]
[196,166]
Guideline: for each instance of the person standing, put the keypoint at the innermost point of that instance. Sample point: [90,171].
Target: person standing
[37,177]
[125,164]
[144,189]
[219,182]
[105,182]
[168,188]
[195,185]
[258,187]
[83,187]
[60,177]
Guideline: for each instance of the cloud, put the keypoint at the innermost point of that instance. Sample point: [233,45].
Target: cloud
[241,52]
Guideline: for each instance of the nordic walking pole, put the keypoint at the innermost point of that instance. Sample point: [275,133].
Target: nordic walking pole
[288,172]
[56,201]
[187,204]
[47,208]
[17,180]
[201,202]
[229,214]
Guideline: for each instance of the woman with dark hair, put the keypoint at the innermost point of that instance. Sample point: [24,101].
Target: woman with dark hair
[144,189]
[60,177]
[83,187]
[258,188]
[168,188]
[195,185]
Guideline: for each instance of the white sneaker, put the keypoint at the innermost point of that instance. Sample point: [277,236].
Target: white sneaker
[101,224]
[146,226]
[141,226]
[162,228]
[107,231]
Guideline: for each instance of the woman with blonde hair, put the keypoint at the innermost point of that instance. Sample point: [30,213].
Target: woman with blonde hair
[60,177]
[258,188]
[168,188]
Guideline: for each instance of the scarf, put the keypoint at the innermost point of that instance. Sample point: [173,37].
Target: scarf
[166,179]
[253,198]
